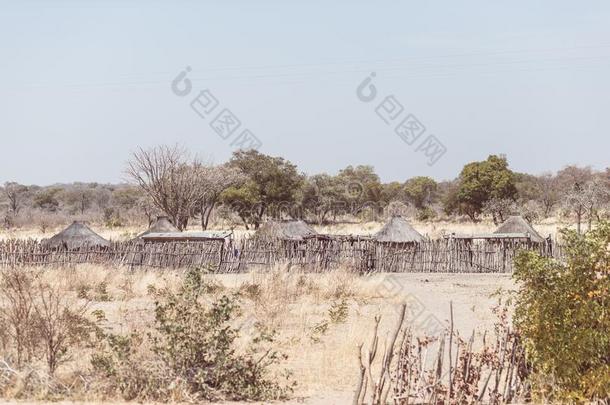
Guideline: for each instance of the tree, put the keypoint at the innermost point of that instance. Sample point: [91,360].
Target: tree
[394,191]
[571,177]
[244,200]
[480,182]
[46,199]
[272,183]
[362,189]
[79,197]
[126,198]
[584,200]
[320,196]
[14,193]
[169,177]
[499,209]
[421,191]
[213,180]
[549,193]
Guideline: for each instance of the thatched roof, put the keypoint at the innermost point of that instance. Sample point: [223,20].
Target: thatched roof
[285,230]
[398,230]
[75,236]
[161,225]
[518,225]
[187,236]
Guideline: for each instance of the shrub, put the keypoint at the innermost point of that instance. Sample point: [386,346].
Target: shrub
[193,349]
[40,321]
[101,292]
[563,314]
[425,214]
[338,311]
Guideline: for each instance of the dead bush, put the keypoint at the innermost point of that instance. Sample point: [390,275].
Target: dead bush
[41,322]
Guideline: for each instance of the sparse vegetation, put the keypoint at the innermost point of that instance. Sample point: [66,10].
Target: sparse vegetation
[128,351]
[191,353]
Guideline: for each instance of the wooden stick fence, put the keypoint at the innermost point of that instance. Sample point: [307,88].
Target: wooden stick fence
[361,255]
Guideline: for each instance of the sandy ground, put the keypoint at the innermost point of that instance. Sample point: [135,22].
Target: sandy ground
[326,367]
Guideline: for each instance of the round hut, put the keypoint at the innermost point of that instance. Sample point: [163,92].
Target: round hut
[76,236]
[517,227]
[285,230]
[398,230]
[161,225]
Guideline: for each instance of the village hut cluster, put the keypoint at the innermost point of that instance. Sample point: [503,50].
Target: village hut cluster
[398,246]
[397,231]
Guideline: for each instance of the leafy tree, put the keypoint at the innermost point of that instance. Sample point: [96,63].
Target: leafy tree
[479,182]
[320,196]
[527,185]
[243,200]
[393,191]
[421,191]
[362,187]
[273,183]
[563,314]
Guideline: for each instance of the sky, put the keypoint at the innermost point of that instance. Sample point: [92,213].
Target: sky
[85,83]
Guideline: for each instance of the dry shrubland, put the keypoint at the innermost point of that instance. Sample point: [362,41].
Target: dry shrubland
[312,323]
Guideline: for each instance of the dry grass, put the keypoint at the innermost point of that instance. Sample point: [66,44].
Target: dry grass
[322,351]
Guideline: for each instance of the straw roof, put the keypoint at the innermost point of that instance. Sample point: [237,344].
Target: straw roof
[518,225]
[75,236]
[161,225]
[187,236]
[286,230]
[398,230]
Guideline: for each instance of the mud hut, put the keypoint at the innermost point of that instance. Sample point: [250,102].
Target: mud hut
[161,225]
[398,230]
[76,236]
[285,230]
[516,227]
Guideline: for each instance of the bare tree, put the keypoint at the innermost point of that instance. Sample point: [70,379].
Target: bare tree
[169,177]
[79,197]
[60,323]
[212,181]
[549,192]
[14,192]
[17,314]
[585,200]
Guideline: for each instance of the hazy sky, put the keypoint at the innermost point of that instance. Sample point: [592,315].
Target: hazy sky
[83,83]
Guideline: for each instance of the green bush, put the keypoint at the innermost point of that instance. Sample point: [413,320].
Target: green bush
[425,214]
[563,314]
[193,352]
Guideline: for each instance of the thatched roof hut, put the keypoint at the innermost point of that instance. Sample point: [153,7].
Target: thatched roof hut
[161,225]
[516,226]
[398,230]
[285,230]
[75,236]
